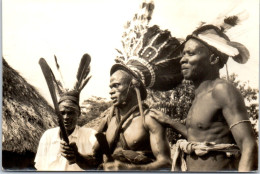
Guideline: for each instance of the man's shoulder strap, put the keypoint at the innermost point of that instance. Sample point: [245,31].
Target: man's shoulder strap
[146,111]
[108,114]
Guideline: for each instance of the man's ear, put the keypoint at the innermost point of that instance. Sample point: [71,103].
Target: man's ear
[213,59]
[135,83]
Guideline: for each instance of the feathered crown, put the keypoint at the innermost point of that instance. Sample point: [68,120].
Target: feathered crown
[149,53]
[215,37]
[82,79]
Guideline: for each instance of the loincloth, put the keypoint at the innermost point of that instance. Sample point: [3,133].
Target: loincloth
[184,147]
[133,157]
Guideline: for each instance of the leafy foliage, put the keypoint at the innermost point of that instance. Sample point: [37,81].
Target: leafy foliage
[175,103]
[92,108]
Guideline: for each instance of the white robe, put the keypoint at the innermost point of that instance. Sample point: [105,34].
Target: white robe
[48,157]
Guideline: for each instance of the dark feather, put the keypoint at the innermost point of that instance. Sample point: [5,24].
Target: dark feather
[84,82]
[231,20]
[83,69]
[56,62]
[61,77]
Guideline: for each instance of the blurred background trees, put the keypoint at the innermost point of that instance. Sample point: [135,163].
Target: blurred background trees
[92,108]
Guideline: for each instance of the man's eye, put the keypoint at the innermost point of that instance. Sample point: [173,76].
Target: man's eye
[116,85]
[70,113]
[190,53]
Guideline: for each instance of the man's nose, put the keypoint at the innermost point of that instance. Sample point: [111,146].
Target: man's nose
[65,116]
[112,91]
[183,59]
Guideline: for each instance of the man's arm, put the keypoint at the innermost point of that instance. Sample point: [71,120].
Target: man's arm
[159,144]
[232,103]
[169,122]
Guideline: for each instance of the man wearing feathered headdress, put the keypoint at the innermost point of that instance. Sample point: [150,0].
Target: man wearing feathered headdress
[149,59]
[136,141]
[65,148]
[218,130]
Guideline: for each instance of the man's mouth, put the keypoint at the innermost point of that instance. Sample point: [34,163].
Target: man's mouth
[114,99]
[184,68]
[66,123]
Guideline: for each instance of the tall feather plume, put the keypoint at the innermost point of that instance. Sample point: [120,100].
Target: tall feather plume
[234,20]
[57,85]
[135,28]
[151,52]
[228,18]
[60,83]
[83,72]
[226,21]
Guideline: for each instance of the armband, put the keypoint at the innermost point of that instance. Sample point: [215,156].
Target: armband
[242,121]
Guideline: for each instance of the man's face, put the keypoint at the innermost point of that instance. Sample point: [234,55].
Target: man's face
[195,61]
[119,87]
[70,116]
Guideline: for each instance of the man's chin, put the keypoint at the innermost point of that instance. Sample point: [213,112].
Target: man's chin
[186,78]
[119,104]
[116,104]
[69,129]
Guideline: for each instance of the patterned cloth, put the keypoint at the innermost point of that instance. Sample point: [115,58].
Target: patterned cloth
[199,148]
[48,157]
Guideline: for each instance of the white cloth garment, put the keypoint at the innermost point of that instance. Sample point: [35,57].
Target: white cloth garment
[200,149]
[48,157]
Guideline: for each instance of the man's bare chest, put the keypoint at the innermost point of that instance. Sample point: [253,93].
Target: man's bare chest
[133,132]
[203,112]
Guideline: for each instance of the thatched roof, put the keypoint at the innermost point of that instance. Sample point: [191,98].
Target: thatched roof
[26,114]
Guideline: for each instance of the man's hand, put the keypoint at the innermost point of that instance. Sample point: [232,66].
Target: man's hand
[115,166]
[167,121]
[69,151]
[160,117]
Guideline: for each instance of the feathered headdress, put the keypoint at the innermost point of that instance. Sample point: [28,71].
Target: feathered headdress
[150,54]
[215,37]
[65,94]
[82,79]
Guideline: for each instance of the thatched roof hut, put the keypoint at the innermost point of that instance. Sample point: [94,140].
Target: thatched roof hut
[25,116]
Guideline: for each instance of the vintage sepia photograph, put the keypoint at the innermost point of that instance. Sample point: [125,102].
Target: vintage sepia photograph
[130,85]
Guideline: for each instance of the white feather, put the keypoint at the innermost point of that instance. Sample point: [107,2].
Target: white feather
[219,43]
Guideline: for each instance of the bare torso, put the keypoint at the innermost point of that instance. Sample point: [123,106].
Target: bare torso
[136,136]
[206,123]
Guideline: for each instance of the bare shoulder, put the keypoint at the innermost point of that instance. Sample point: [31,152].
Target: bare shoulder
[151,123]
[225,92]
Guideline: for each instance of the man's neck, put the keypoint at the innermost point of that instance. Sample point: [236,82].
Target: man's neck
[69,132]
[123,109]
[210,76]
[204,85]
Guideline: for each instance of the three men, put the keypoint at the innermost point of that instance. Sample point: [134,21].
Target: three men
[217,119]
[217,125]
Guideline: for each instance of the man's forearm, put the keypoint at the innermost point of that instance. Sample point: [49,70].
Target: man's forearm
[248,158]
[87,161]
[178,127]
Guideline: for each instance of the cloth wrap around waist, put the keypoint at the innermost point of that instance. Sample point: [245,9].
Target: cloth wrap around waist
[200,149]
